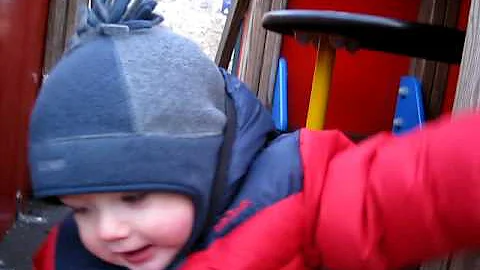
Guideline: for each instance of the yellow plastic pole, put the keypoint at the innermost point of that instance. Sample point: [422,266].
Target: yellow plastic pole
[322,78]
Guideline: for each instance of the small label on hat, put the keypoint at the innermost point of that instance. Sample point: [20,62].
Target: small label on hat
[54,165]
[114,29]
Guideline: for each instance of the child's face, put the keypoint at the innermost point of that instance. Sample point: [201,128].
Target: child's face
[142,231]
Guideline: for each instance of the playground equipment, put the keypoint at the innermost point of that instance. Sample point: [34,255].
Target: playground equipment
[331,30]
[409,111]
[280,106]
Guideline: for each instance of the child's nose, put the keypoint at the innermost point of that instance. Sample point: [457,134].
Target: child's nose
[113,227]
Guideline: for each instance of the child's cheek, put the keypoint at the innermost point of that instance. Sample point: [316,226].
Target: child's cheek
[173,229]
[93,243]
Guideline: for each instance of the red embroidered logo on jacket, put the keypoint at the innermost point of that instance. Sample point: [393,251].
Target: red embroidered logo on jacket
[230,215]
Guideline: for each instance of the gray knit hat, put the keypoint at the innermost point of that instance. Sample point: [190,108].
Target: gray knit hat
[132,106]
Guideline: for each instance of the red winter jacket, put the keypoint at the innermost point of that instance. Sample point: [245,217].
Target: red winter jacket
[387,203]
[383,204]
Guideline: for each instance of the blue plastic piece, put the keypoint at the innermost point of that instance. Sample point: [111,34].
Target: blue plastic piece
[409,111]
[280,104]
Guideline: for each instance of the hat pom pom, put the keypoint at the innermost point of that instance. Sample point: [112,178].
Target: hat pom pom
[115,17]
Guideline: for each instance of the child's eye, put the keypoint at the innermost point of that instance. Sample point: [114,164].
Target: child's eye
[134,197]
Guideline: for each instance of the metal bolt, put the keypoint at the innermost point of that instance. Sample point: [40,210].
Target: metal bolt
[398,122]
[403,91]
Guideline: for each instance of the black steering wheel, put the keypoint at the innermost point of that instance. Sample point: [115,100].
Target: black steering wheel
[376,33]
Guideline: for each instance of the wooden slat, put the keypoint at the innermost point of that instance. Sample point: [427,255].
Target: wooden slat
[465,261]
[245,42]
[440,264]
[468,88]
[257,44]
[62,19]
[431,12]
[55,41]
[273,44]
[468,97]
[71,19]
[230,32]
[440,79]
[434,77]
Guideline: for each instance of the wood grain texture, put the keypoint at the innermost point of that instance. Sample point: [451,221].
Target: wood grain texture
[440,79]
[468,88]
[468,97]
[245,42]
[62,19]
[256,46]
[231,32]
[465,261]
[273,44]
[433,75]
[438,264]
[55,40]
[71,19]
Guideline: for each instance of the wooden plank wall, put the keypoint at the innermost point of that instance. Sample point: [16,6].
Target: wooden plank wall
[231,31]
[61,25]
[260,49]
[468,89]
[434,75]
[273,44]
[256,43]
[467,98]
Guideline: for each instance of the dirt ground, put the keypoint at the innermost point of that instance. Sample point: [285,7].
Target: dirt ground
[199,20]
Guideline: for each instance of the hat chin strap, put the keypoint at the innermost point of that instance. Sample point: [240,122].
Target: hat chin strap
[219,182]
[221,174]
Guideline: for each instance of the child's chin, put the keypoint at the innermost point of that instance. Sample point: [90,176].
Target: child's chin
[154,264]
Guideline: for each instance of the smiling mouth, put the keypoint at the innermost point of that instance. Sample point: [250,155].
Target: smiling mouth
[138,256]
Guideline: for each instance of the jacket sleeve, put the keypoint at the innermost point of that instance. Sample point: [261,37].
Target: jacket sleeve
[44,259]
[394,201]
[383,204]
[270,240]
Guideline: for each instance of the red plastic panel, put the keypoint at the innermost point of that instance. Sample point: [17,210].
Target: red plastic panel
[22,33]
